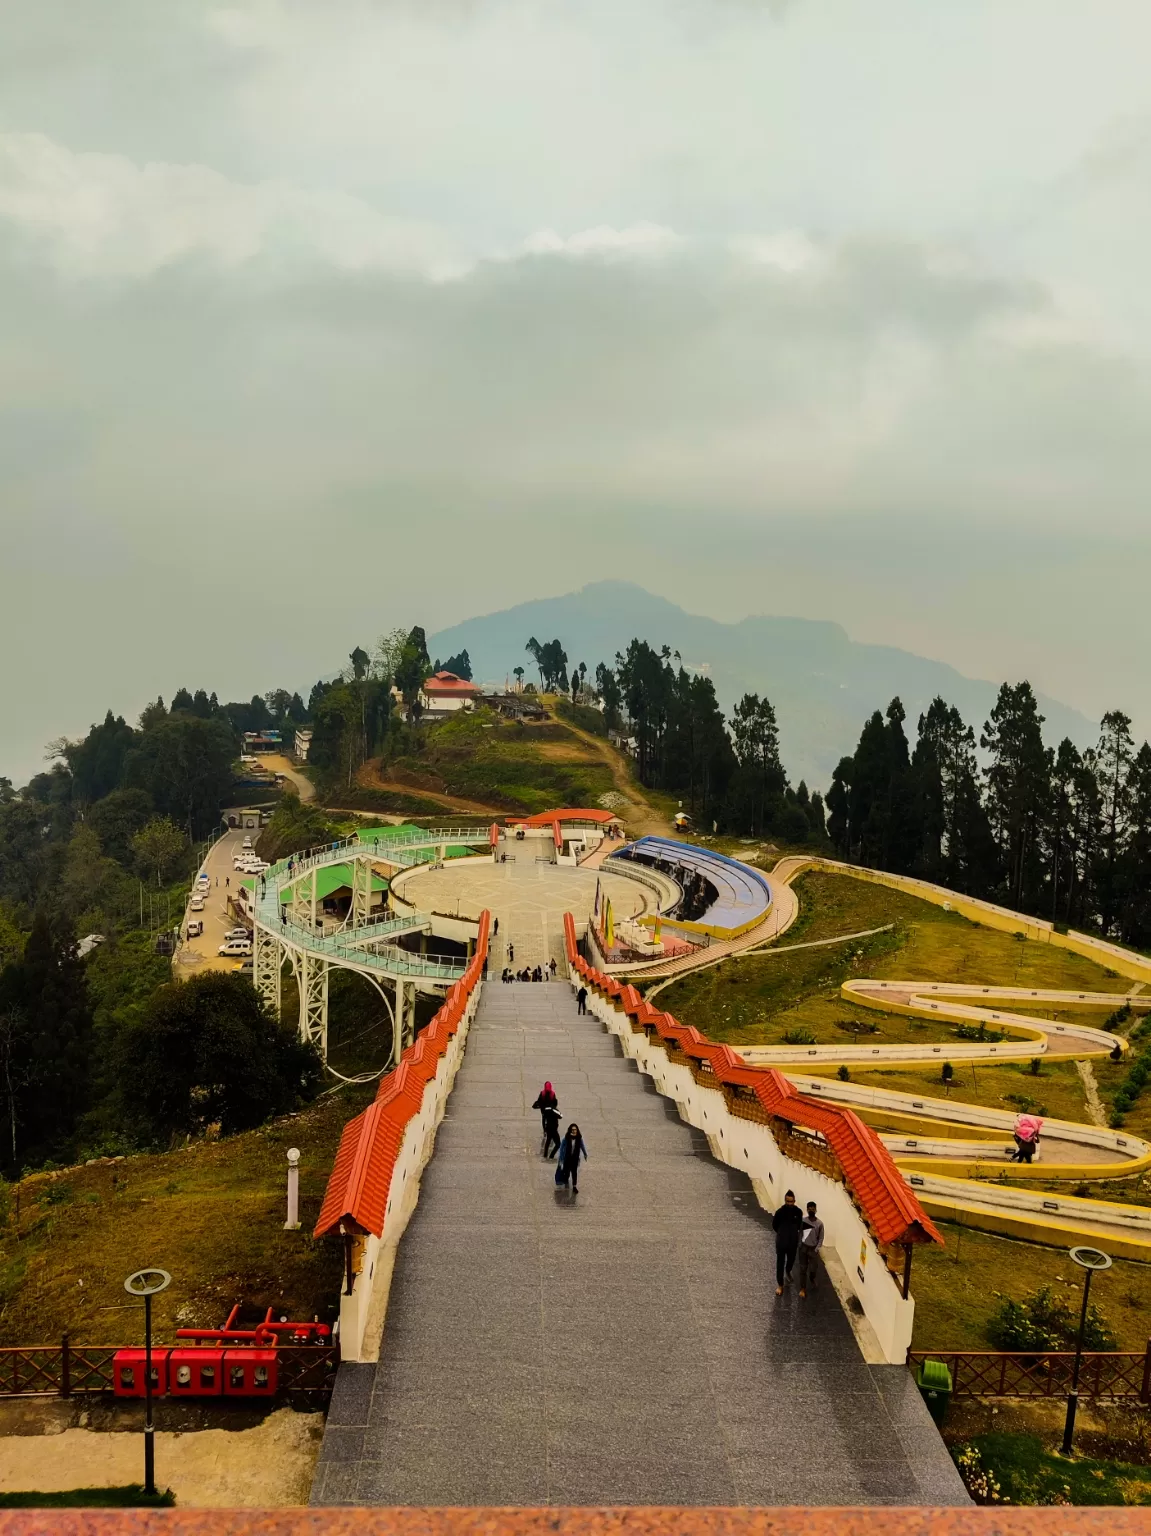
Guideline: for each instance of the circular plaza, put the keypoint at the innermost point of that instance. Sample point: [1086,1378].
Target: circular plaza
[528,898]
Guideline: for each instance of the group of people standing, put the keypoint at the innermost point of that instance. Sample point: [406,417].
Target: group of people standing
[569,1149]
[530,973]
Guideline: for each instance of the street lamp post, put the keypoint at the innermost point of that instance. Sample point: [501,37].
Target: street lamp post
[293,1222]
[148,1283]
[1088,1259]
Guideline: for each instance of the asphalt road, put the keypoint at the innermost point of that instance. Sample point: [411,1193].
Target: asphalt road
[200,954]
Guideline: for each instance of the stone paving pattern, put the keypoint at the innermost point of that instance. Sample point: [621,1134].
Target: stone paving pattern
[622,1346]
[530,897]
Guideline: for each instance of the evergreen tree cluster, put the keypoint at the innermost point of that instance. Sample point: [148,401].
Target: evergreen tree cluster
[84,848]
[1052,831]
[728,772]
[353,717]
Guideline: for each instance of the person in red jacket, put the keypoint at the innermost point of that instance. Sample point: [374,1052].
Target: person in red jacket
[549,1107]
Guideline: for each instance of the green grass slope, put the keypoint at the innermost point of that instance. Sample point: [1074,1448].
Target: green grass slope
[507,764]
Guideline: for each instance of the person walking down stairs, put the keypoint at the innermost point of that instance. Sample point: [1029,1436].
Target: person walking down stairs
[572,1150]
[788,1225]
[809,1245]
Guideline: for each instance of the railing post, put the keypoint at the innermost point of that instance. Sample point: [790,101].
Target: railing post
[1145,1388]
[65,1367]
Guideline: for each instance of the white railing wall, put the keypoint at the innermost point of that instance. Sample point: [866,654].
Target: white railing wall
[362,1313]
[751,1147]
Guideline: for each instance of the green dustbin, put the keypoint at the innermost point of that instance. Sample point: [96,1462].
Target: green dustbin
[934,1381]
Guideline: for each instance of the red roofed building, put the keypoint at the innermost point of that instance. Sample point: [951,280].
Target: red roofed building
[590,818]
[444,693]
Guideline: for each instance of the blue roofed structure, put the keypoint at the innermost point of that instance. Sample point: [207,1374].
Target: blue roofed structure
[721,897]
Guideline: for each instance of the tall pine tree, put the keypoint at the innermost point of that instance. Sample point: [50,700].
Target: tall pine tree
[45,1047]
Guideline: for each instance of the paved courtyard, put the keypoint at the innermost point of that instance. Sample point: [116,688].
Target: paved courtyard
[620,1346]
[529,898]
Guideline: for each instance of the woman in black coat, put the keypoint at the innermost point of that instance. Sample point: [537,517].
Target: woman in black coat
[572,1149]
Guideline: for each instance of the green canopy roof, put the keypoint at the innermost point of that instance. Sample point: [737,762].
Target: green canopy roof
[337,877]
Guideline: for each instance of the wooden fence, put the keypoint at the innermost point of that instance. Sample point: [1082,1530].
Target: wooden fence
[307,1372]
[992,1373]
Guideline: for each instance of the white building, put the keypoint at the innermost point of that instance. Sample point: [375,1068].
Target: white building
[444,693]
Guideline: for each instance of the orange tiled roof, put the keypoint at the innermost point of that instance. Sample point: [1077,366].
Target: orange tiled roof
[448,682]
[542,818]
[361,1178]
[878,1187]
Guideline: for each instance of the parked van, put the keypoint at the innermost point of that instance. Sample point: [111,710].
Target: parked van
[235,947]
[195,928]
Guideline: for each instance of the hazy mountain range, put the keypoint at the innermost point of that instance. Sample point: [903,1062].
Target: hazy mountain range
[822,683]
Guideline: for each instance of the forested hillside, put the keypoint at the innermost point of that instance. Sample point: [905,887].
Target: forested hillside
[821,682]
[1048,829]
[104,842]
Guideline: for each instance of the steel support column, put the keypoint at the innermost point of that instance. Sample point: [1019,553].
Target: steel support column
[312,976]
[361,892]
[404,1019]
[267,967]
[398,1021]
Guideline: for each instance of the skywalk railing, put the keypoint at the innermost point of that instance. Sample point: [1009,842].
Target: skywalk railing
[354,945]
[372,933]
[389,959]
[388,847]
[398,962]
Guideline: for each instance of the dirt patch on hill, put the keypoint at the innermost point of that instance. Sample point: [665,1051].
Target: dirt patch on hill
[403,781]
[409,777]
[564,752]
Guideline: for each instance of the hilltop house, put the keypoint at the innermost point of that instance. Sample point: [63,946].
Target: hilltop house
[444,694]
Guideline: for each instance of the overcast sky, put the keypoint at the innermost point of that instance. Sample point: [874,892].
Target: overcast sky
[316,319]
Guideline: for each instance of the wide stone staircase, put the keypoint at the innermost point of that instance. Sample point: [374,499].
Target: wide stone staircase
[619,1346]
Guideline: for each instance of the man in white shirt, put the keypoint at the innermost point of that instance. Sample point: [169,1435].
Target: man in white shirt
[809,1245]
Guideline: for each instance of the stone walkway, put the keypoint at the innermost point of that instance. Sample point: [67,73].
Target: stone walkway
[528,896]
[622,1346]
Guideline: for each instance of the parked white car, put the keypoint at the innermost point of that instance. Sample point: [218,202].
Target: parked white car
[196,904]
[235,947]
[195,928]
[237,933]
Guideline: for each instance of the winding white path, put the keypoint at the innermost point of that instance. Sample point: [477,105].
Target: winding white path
[950,1172]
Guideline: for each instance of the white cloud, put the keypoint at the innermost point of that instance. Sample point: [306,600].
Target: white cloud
[102,215]
[790,251]
[871,266]
[635,240]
